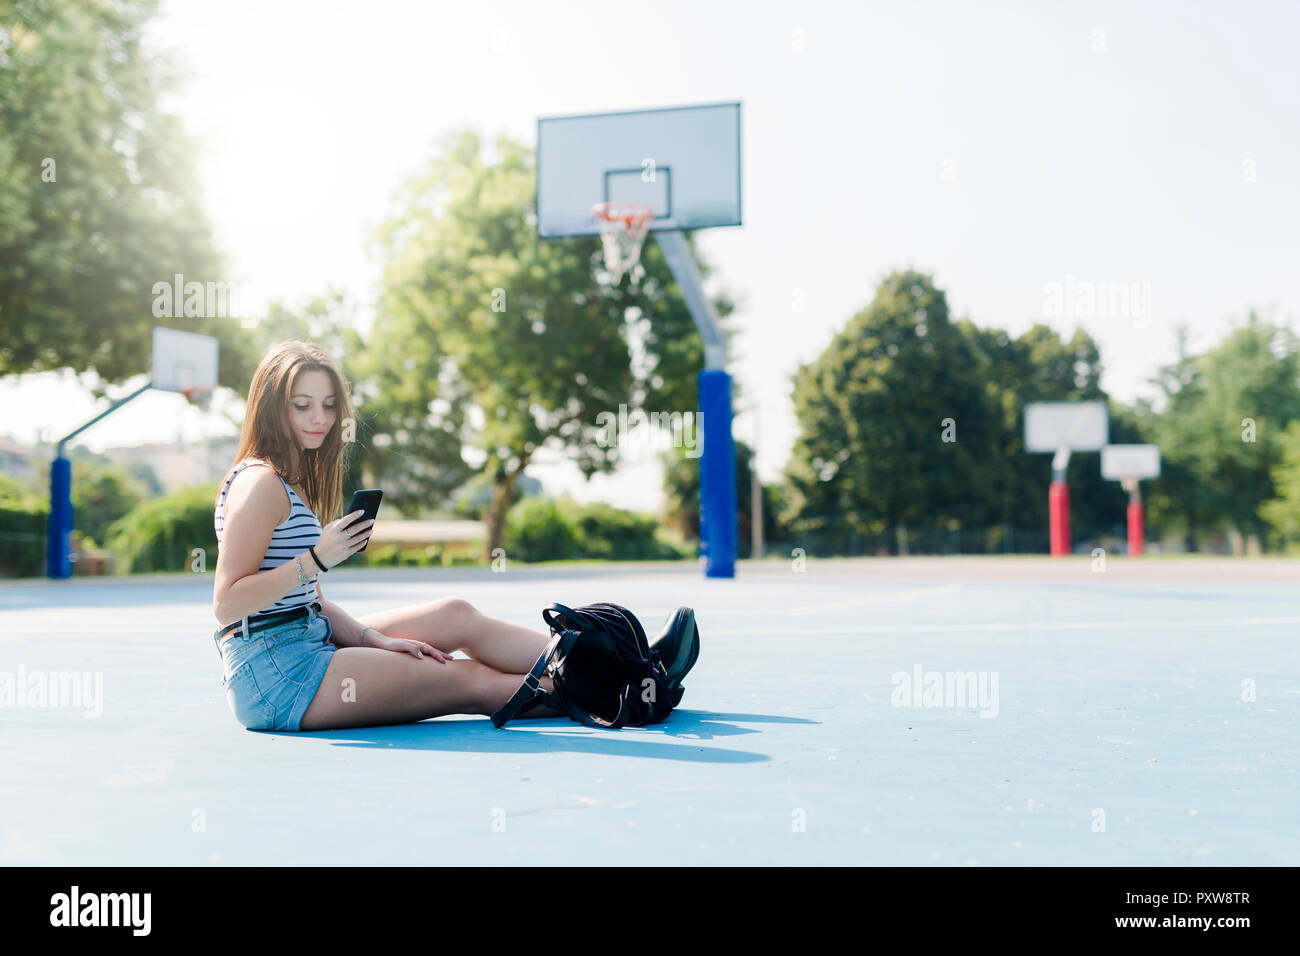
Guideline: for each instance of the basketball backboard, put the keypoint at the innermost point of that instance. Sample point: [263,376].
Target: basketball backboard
[183,361]
[1130,461]
[683,162]
[1076,426]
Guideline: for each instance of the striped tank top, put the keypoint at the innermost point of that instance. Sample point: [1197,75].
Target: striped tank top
[294,535]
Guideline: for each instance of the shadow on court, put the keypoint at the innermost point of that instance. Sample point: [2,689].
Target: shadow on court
[561,735]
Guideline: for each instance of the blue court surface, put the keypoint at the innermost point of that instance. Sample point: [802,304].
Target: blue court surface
[1144,714]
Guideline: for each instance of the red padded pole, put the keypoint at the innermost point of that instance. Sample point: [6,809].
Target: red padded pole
[1058,511]
[1135,533]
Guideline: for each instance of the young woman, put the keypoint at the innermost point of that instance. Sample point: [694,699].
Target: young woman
[294,660]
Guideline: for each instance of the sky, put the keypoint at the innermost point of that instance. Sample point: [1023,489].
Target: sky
[1035,158]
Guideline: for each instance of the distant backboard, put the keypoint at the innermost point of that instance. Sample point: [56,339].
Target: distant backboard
[1130,461]
[183,361]
[683,162]
[1078,426]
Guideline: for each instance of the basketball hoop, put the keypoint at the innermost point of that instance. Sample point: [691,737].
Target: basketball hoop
[623,228]
[201,398]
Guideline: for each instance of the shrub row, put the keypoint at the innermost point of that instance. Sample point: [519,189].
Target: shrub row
[545,529]
[162,535]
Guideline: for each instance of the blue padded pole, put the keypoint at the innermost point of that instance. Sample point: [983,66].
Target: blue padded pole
[59,528]
[58,561]
[718,530]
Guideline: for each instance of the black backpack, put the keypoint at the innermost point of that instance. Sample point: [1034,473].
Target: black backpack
[601,667]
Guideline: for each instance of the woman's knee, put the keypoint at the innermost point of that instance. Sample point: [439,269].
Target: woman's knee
[458,618]
[452,610]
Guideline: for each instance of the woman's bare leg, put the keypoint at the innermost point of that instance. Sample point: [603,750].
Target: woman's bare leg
[453,624]
[365,687]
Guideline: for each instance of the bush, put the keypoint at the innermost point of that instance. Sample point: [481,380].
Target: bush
[543,529]
[24,518]
[618,535]
[540,530]
[438,554]
[393,556]
[161,535]
[101,496]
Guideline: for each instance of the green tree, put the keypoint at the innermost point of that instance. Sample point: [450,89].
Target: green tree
[471,499]
[490,338]
[1283,511]
[328,319]
[100,496]
[142,474]
[1175,421]
[912,419]
[1042,366]
[17,494]
[1220,429]
[896,424]
[98,200]
[682,498]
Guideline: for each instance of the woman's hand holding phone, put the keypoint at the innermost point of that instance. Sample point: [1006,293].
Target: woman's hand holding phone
[338,542]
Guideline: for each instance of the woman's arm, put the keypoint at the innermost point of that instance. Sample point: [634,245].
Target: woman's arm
[345,629]
[255,503]
[346,632]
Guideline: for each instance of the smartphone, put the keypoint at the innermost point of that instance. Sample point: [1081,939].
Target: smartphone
[367,500]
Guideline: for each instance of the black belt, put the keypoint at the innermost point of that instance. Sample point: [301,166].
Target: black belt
[260,622]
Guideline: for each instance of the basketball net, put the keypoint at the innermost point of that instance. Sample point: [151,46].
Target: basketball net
[199,397]
[623,228]
[183,373]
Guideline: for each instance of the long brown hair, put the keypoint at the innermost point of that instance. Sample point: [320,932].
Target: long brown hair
[266,432]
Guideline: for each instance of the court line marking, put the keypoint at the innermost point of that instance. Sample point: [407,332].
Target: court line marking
[1040,626]
[876,599]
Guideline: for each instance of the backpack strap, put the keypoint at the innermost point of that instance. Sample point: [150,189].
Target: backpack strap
[530,690]
[575,618]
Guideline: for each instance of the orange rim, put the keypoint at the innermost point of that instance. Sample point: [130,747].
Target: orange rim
[631,214]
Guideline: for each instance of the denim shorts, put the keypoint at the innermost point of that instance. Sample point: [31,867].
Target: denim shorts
[271,675]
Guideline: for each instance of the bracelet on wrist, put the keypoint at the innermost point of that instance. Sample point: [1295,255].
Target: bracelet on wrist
[319,563]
